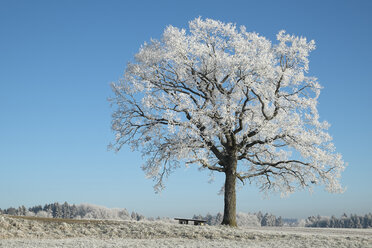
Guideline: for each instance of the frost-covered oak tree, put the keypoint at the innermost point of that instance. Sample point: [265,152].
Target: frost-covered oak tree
[230,101]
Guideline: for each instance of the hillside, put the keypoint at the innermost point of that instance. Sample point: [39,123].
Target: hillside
[45,232]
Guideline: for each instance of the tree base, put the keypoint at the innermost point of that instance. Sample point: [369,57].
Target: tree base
[229,223]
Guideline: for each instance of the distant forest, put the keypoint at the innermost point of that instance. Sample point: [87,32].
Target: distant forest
[89,211]
[67,211]
[345,221]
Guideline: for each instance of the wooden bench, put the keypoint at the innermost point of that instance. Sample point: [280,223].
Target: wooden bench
[186,221]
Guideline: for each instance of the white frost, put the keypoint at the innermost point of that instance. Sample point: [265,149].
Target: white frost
[196,97]
[19,232]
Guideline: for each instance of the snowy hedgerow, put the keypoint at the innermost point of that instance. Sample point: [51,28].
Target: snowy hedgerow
[90,211]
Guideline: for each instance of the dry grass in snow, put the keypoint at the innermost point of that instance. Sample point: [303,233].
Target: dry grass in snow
[43,232]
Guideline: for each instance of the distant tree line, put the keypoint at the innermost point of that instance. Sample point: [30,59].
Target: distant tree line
[269,219]
[352,221]
[67,211]
[245,219]
[54,210]
[89,211]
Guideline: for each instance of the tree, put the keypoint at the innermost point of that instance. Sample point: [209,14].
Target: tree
[279,221]
[230,101]
[259,216]
[333,221]
[11,211]
[35,209]
[66,211]
[268,220]
[21,210]
[74,211]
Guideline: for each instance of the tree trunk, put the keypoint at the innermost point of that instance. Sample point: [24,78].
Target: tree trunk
[229,215]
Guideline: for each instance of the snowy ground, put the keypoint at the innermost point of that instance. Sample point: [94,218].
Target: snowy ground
[19,232]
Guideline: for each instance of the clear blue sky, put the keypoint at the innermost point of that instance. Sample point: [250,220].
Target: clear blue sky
[57,59]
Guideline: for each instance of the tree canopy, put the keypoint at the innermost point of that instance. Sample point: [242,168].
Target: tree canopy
[230,101]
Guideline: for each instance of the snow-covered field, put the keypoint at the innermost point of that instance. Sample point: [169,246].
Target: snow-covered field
[21,232]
